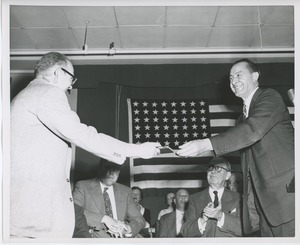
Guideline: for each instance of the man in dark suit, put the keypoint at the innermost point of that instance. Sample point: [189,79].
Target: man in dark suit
[215,211]
[265,136]
[108,206]
[171,223]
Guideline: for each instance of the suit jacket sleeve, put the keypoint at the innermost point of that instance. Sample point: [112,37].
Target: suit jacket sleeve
[268,110]
[190,226]
[55,113]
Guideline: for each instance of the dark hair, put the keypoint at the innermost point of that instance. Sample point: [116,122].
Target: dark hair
[138,188]
[250,65]
[105,167]
[48,61]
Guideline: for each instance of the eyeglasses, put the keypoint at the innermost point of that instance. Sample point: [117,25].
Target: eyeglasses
[216,168]
[74,79]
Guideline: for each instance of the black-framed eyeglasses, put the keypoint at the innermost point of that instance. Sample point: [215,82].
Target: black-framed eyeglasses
[74,79]
[216,168]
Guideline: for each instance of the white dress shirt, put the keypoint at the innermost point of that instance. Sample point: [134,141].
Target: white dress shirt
[179,218]
[247,101]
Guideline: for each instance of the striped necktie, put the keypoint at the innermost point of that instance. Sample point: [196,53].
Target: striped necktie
[107,203]
[244,111]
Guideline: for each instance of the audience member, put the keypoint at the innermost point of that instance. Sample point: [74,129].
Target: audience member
[108,206]
[235,182]
[137,198]
[170,202]
[43,127]
[170,223]
[215,211]
[265,135]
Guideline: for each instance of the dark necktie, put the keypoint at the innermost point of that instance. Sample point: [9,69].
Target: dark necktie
[216,201]
[107,203]
[244,111]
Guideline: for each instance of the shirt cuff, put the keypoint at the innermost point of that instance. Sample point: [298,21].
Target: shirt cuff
[201,225]
[220,223]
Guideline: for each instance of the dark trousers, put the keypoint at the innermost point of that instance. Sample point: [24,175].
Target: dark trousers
[267,230]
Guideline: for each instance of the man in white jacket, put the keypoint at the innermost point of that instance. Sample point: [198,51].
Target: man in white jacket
[43,127]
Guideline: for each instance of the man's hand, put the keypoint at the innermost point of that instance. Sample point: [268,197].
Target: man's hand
[110,223]
[213,213]
[148,150]
[195,148]
[121,230]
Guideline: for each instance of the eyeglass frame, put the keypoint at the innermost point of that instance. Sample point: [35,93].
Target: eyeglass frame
[74,79]
[211,168]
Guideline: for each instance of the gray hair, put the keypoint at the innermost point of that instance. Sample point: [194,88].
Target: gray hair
[48,61]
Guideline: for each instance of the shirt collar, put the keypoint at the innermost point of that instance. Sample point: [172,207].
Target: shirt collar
[220,193]
[103,186]
[249,98]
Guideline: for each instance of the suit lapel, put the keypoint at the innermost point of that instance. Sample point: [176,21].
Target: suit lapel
[119,198]
[96,195]
[254,98]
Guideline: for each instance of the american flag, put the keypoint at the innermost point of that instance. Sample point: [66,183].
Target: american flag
[172,123]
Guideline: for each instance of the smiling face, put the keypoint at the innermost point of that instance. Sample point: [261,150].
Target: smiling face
[242,80]
[217,177]
[137,196]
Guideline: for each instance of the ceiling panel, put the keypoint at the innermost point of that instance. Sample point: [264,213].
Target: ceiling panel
[283,15]
[204,16]
[29,16]
[270,37]
[19,34]
[140,15]
[54,38]
[142,37]
[96,16]
[232,36]
[238,15]
[187,37]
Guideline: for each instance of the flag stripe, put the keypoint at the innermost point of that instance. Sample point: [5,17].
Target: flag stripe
[162,184]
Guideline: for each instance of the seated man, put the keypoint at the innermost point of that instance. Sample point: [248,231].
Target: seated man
[170,224]
[108,206]
[215,211]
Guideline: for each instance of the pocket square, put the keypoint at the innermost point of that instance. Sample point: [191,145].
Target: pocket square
[233,211]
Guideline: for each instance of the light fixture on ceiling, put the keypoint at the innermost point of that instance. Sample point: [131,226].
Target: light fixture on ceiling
[112,49]
[85,46]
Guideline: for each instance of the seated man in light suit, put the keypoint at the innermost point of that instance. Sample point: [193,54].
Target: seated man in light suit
[170,224]
[215,211]
[123,217]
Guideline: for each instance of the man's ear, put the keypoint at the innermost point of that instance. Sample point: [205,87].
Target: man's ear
[255,76]
[228,174]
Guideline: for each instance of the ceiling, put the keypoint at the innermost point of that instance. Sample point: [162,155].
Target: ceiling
[151,34]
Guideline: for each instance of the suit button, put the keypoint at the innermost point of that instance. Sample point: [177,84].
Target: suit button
[71,200]
[68,180]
